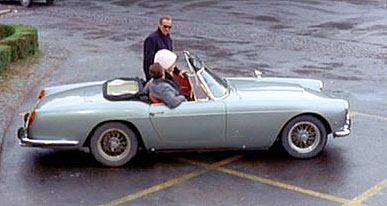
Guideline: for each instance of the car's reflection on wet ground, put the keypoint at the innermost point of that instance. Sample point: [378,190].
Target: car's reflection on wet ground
[342,43]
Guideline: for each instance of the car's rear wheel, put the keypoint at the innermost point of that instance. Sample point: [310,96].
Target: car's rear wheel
[113,144]
[25,3]
[304,137]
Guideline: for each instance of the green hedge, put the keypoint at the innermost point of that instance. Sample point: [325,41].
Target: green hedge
[5,57]
[16,42]
[6,31]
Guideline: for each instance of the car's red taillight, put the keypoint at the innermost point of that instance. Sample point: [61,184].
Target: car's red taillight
[31,118]
[42,93]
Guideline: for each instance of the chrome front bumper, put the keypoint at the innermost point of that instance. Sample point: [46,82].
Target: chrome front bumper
[342,133]
[25,141]
[345,131]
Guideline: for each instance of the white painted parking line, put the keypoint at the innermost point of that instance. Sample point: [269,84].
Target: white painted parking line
[353,114]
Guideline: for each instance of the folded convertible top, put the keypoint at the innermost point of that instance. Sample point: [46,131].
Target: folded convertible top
[124,89]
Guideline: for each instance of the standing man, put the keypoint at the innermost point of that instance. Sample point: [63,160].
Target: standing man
[156,41]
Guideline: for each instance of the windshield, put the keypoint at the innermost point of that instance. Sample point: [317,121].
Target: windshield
[195,62]
[215,84]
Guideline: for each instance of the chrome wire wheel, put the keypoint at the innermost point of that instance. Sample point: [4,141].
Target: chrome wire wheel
[304,137]
[114,144]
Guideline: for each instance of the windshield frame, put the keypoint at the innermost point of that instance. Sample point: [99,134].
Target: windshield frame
[209,91]
[202,83]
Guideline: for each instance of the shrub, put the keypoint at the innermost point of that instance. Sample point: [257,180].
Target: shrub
[5,57]
[6,31]
[18,41]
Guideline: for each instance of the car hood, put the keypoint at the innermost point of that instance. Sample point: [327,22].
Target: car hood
[266,82]
[72,95]
[276,87]
[246,86]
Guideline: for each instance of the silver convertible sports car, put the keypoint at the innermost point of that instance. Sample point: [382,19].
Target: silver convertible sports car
[114,119]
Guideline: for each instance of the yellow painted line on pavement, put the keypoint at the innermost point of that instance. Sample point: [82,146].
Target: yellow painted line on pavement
[171,182]
[283,185]
[272,182]
[353,114]
[367,194]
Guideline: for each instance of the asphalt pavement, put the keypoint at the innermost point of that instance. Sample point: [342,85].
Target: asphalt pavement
[342,43]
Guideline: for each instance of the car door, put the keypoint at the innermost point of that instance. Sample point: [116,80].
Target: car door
[196,124]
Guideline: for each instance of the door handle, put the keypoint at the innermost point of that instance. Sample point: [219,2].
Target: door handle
[154,113]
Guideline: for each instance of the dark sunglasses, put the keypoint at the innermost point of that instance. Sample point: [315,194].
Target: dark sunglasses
[167,27]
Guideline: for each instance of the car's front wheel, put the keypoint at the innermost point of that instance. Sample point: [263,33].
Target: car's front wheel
[113,144]
[304,137]
[25,3]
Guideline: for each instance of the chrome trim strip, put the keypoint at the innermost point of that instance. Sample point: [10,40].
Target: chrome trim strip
[24,140]
[37,143]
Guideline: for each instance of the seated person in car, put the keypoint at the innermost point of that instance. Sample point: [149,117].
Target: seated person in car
[162,89]
[167,60]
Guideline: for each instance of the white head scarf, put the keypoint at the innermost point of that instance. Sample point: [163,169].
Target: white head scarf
[165,58]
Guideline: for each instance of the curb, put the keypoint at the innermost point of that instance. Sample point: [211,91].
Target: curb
[5,11]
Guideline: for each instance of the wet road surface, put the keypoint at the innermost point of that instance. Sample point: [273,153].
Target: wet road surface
[341,42]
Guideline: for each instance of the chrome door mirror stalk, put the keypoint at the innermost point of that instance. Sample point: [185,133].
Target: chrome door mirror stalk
[257,73]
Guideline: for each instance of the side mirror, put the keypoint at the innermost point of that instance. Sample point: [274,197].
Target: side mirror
[257,73]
